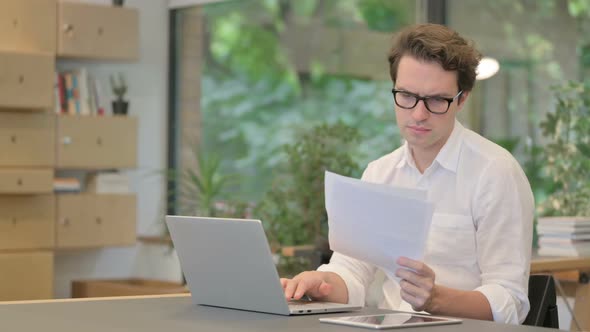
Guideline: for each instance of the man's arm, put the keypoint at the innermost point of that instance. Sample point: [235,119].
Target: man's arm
[419,289]
[458,303]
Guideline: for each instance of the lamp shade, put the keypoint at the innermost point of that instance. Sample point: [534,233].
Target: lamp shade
[487,68]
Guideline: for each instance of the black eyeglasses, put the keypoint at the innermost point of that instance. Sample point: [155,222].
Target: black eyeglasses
[434,104]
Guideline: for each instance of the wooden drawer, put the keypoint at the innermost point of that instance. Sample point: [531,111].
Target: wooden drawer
[86,220]
[27,139]
[28,25]
[26,276]
[94,31]
[26,80]
[26,181]
[87,142]
[27,222]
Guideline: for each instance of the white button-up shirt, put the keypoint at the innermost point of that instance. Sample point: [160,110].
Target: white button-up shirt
[481,232]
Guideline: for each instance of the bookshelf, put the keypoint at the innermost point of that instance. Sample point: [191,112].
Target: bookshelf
[37,143]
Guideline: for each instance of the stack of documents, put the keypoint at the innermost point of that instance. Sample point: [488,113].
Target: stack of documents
[376,223]
[564,236]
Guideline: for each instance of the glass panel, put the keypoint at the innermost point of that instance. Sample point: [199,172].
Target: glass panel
[538,44]
[272,69]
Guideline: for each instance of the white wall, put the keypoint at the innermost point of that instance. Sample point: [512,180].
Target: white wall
[148,84]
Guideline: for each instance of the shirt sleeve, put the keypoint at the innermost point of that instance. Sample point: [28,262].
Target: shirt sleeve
[357,276]
[503,213]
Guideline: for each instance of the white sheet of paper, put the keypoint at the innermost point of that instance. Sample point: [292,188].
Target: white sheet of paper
[376,223]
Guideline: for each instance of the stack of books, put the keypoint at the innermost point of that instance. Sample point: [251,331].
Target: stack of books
[78,93]
[564,236]
[61,185]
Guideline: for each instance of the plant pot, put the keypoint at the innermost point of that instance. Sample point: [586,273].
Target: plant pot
[118,3]
[120,107]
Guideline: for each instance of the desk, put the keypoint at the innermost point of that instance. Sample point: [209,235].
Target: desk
[177,313]
[581,309]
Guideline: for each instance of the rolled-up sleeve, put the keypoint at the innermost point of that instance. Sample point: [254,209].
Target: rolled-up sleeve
[357,276]
[504,221]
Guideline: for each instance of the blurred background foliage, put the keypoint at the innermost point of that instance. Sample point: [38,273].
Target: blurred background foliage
[259,110]
[254,100]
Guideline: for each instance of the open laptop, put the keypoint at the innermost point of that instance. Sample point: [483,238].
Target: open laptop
[227,263]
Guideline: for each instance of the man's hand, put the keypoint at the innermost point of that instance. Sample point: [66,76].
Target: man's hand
[312,283]
[417,284]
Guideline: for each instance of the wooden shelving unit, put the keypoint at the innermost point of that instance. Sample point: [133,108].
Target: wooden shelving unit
[35,142]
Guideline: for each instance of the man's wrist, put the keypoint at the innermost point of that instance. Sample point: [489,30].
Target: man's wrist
[436,300]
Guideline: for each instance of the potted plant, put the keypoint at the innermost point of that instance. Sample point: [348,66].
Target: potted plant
[567,151]
[119,87]
[293,211]
[199,191]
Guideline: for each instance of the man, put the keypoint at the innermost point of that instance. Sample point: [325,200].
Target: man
[477,257]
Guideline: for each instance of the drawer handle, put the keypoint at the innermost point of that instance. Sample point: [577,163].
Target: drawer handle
[98,141]
[68,29]
[13,138]
[15,23]
[66,140]
[65,222]
[98,220]
[13,221]
[21,79]
[19,182]
[100,31]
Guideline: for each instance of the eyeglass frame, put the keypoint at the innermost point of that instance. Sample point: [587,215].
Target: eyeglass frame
[425,100]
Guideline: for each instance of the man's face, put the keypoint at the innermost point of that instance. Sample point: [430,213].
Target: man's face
[425,131]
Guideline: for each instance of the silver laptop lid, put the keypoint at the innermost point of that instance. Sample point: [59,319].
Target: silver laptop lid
[227,263]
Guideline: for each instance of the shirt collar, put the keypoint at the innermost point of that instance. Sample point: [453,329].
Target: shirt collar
[448,156]
[406,159]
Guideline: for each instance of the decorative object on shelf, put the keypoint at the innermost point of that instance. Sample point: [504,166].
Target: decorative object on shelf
[567,130]
[120,105]
[118,3]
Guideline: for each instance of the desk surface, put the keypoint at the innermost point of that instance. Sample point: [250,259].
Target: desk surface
[555,264]
[179,314]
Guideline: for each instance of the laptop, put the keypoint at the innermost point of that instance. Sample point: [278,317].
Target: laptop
[227,263]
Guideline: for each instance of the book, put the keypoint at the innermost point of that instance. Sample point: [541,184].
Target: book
[566,236]
[84,93]
[566,251]
[66,185]
[108,183]
[556,241]
[563,229]
[564,221]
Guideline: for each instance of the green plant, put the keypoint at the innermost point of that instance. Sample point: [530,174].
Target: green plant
[198,191]
[119,86]
[293,210]
[568,151]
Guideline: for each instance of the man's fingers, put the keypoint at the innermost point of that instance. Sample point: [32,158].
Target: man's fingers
[324,289]
[284,282]
[302,288]
[305,283]
[425,282]
[413,290]
[415,265]
[290,288]
[411,299]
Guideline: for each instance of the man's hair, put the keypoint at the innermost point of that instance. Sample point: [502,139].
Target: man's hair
[440,44]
